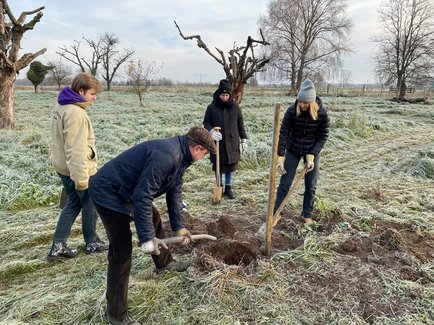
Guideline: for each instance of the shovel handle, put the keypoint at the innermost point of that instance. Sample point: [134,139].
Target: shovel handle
[178,239]
[217,159]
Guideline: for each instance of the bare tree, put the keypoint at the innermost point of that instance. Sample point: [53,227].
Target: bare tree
[112,59]
[73,54]
[308,37]
[103,52]
[59,74]
[11,33]
[241,63]
[406,46]
[141,75]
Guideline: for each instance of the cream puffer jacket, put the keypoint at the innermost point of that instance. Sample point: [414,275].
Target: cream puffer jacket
[73,151]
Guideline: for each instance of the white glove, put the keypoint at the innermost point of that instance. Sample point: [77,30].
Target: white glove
[309,162]
[153,246]
[243,145]
[216,135]
[281,165]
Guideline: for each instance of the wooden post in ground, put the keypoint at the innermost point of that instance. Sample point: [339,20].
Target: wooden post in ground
[272,180]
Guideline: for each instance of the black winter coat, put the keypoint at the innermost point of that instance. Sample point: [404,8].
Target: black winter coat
[228,116]
[300,134]
[129,182]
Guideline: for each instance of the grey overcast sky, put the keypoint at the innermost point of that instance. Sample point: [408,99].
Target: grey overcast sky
[148,27]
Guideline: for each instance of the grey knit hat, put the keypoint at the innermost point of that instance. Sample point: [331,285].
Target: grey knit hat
[307,91]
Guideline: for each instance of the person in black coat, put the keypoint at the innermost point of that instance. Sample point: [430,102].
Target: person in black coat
[225,113]
[123,190]
[303,133]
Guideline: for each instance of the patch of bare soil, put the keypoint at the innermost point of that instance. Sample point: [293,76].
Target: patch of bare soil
[395,249]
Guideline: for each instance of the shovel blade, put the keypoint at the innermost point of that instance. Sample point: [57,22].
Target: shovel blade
[217,195]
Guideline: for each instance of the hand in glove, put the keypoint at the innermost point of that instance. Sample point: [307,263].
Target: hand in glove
[280,165]
[216,135]
[187,236]
[153,246]
[309,164]
[243,145]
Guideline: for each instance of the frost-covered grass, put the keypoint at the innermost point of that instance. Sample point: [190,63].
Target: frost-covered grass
[378,163]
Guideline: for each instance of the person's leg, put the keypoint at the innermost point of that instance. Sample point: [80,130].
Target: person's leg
[165,256]
[69,213]
[88,217]
[290,165]
[117,226]
[310,182]
[228,186]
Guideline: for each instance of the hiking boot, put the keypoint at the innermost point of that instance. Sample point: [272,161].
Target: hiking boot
[228,192]
[178,266]
[60,249]
[97,246]
[127,320]
[308,221]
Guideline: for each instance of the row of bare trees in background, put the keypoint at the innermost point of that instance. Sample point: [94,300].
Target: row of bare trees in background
[297,39]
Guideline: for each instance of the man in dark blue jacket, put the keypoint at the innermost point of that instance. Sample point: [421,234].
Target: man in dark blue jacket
[124,189]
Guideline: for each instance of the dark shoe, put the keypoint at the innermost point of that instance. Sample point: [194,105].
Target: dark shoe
[127,320]
[97,246]
[60,249]
[228,192]
[178,266]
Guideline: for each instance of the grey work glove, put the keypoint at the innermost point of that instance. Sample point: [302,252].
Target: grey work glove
[243,146]
[281,165]
[153,246]
[187,236]
[216,135]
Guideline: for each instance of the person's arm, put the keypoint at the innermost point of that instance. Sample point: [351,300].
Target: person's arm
[207,119]
[285,131]
[174,206]
[322,133]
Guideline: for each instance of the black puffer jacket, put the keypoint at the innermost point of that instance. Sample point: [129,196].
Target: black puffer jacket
[228,116]
[302,135]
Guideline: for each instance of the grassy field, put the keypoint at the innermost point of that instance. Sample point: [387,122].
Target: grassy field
[369,258]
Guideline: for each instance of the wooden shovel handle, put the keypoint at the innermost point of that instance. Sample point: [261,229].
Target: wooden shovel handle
[178,239]
[217,159]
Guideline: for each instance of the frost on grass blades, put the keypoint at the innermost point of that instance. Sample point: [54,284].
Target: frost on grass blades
[368,259]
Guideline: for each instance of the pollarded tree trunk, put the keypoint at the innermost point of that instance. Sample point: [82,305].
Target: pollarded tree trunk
[7,100]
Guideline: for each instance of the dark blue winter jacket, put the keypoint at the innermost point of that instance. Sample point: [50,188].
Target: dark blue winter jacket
[130,182]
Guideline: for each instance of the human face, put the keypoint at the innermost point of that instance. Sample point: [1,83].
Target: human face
[224,97]
[88,95]
[304,105]
[198,152]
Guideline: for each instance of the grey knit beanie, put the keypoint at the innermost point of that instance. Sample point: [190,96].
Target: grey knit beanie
[307,91]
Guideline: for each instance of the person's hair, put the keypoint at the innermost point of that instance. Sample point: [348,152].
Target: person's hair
[313,110]
[85,81]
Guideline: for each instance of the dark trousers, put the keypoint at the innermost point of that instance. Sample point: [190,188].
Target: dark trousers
[310,179]
[117,226]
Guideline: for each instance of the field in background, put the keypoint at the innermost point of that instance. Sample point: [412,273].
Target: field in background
[368,260]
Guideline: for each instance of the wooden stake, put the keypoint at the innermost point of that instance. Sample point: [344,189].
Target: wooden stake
[272,180]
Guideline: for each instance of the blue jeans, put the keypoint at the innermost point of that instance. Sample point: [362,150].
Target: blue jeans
[291,162]
[77,201]
[228,179]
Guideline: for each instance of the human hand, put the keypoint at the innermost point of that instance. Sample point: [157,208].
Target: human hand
[153,246]
[243,145]
[280,165]
[309,162]
[216,135]
[186,234]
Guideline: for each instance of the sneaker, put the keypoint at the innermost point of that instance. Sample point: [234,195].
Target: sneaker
[178,266]
[97,246]
[60,249]
[127,320]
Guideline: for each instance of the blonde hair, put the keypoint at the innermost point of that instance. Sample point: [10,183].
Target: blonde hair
[85,81]
[313,110]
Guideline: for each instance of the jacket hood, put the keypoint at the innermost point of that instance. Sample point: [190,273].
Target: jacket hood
[68,96]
